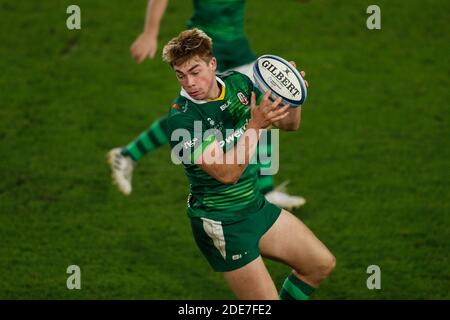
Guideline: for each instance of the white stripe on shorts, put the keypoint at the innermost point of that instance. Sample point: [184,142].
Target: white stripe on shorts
[214,230]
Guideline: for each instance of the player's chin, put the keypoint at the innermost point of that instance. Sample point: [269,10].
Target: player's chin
[198,95]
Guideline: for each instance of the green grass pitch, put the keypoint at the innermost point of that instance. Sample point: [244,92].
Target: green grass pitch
[371,157]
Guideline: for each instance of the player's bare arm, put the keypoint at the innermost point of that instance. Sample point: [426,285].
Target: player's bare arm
[292,121]
[147,42]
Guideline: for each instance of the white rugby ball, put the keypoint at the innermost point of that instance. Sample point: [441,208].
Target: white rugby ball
[279,76]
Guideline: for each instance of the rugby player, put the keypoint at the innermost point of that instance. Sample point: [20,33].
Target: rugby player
[233,224]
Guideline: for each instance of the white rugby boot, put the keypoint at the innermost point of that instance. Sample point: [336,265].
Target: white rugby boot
[121,170]
[282,199]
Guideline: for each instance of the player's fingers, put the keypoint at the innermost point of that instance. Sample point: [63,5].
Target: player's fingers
[293,64]
[136,53]
[133,45]
[278,118]
[281,110]
[276,113]
[307,83]
[302,73]
[269,107]
[252,100]
[252,104]
[152,51]
[137,58]
[133,52]
[140,58]
[265,99]
[275,103]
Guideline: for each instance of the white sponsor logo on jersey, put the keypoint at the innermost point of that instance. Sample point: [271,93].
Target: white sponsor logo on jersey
[242,98]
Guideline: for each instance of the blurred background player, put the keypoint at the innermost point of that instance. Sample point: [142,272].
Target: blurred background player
[223,21]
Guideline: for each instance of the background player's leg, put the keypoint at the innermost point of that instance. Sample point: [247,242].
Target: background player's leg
[278,195]
[149,140]
[122,160]
[290,241]
[252,282]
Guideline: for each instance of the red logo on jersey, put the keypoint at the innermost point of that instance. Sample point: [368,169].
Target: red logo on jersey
[174,106]
[242,98]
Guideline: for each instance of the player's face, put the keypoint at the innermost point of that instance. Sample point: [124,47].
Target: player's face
[197,77]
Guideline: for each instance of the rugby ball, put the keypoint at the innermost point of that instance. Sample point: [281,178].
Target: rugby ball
[273,73]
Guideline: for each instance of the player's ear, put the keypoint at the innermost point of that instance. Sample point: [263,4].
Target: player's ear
[213,64]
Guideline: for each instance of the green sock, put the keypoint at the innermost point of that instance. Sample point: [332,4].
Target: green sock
[147,141]
[295,289]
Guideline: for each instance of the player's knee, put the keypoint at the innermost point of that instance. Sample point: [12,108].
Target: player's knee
[318,270]
[326,266]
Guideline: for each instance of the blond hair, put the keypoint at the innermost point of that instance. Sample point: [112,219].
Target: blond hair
[187,44]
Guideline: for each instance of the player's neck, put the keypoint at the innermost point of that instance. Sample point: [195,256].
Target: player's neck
[215,91]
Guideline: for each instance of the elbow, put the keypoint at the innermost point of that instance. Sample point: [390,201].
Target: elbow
[229,179]
[292,126]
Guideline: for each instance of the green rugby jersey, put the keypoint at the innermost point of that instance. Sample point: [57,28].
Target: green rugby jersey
[223,21]
[209,197]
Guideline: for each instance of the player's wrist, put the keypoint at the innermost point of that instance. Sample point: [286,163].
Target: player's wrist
[149,34]
[253,124]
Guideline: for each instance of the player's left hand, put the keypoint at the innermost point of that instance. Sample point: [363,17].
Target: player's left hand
[302,73]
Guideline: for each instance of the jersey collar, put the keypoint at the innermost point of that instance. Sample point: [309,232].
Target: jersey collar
[183,93]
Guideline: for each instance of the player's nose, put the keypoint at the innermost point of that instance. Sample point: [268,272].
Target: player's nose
[190,82]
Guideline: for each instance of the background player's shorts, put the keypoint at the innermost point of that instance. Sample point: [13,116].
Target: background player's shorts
[230,245]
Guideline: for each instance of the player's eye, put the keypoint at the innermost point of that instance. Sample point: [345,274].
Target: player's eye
[179,76]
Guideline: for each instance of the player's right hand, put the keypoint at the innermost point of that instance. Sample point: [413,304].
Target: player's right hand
[144,46]
[268,112]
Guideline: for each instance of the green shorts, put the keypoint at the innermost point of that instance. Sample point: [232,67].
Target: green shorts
[230,245]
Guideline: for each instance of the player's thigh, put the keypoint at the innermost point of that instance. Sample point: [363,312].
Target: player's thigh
[252,282]
[290,241]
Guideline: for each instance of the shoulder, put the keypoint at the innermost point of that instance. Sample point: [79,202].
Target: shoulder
[233,75]
[237,80]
